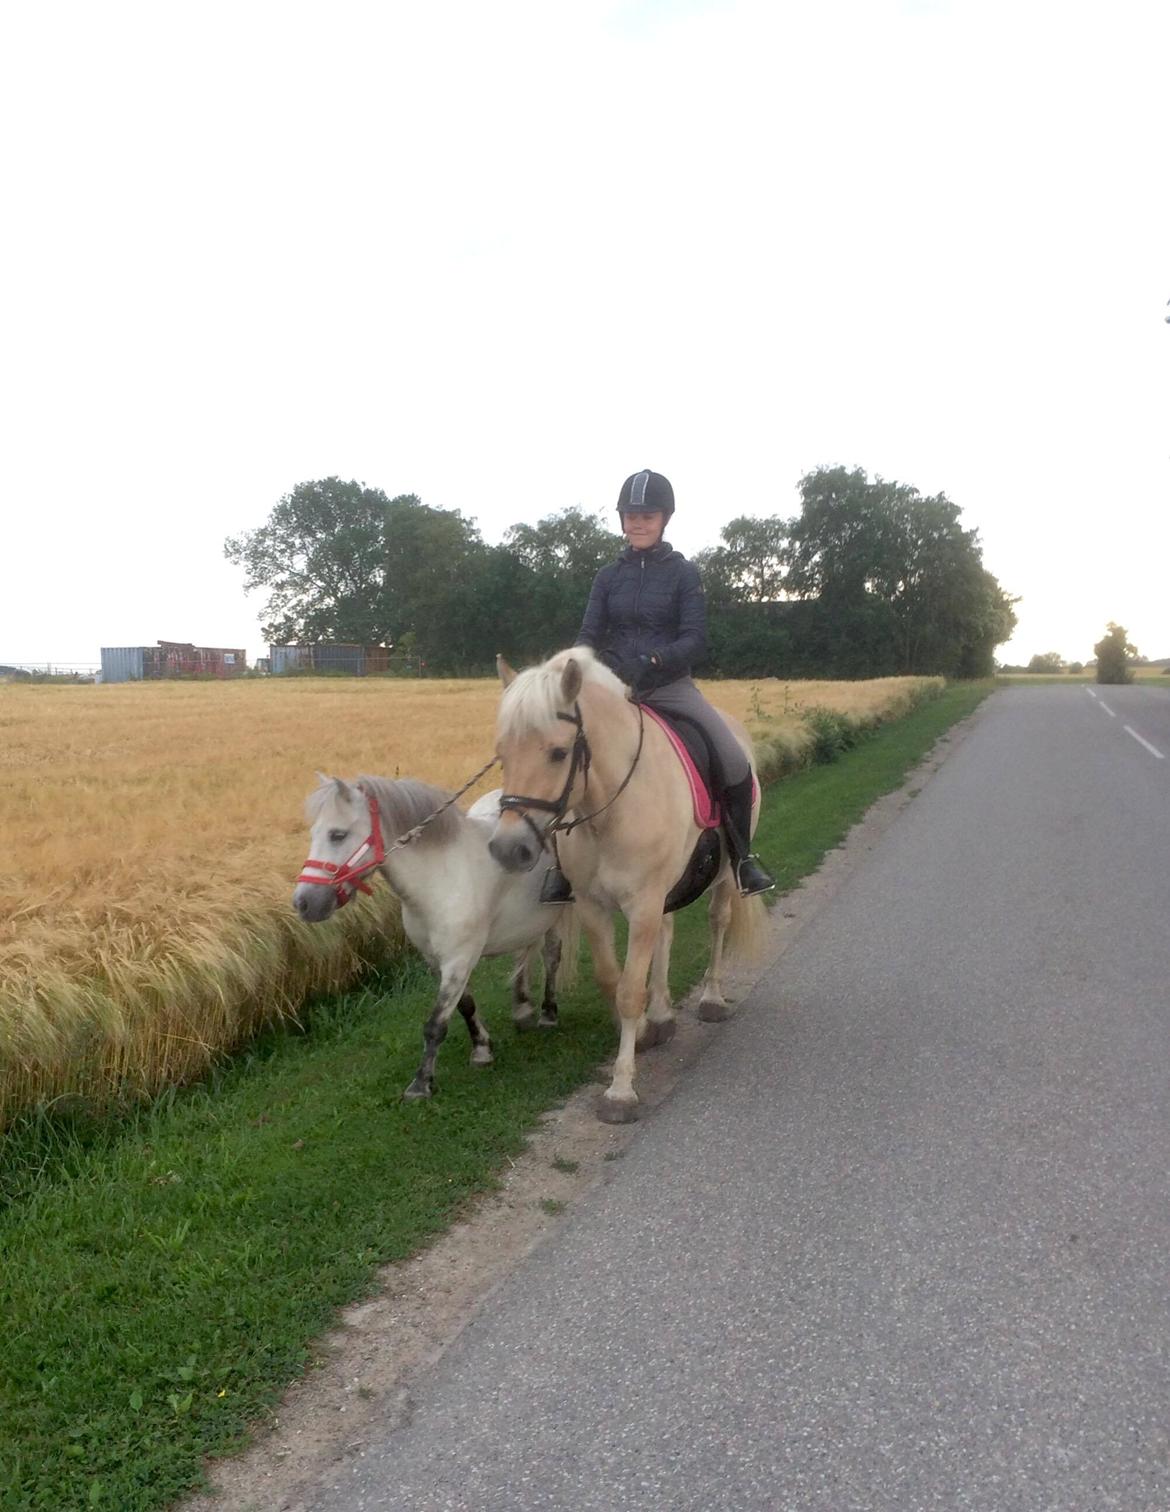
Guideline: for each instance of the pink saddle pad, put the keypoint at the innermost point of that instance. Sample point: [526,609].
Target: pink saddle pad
[707,811]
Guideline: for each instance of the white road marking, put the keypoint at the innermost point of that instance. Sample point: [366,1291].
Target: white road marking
[1101,704]
[1090,692]
[1141,740]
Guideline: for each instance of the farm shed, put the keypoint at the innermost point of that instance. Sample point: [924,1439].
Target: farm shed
[170,659]
[340,657]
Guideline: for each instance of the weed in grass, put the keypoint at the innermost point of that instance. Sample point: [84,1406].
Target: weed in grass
[553,1206]
[568,1166]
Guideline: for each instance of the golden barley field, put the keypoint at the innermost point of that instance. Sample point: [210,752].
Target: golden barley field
[152,833]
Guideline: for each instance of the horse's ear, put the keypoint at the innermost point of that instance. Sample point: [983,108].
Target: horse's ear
[571,680]
[323,780]
[507,673]
[342,788]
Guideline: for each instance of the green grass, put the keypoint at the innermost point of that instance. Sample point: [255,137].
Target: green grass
[162,1277]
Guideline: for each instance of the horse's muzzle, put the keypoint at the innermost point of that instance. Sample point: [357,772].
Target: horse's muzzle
[314,904]
[515,848]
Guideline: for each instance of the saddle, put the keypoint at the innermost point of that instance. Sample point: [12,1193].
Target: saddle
[699,762]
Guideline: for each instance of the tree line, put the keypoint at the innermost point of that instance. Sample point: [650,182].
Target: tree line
[869,579]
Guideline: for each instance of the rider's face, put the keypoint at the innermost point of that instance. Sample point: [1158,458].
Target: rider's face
[644,530]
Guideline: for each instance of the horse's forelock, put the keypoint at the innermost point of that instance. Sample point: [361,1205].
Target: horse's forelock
[533,699]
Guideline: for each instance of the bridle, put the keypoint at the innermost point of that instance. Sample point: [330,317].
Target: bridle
[349,876]
[580,760]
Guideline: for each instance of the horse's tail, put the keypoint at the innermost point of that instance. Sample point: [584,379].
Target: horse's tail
[745,930]
[568,932]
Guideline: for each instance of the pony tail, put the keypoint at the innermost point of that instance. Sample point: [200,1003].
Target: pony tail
[745,930]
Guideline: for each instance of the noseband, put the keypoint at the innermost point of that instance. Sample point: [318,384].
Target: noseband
[580,761]
[350,876]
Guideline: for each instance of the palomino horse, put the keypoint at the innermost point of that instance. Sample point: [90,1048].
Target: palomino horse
[457,904]
[580,758]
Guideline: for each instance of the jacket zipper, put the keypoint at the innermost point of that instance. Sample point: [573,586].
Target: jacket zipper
[638,598]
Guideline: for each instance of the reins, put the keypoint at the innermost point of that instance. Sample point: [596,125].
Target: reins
[349,877]
[582,758]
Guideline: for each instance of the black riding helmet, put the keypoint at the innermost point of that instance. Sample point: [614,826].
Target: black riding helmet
[644,492]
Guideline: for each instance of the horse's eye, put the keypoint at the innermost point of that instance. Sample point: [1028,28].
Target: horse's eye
[558,753]
[337,836]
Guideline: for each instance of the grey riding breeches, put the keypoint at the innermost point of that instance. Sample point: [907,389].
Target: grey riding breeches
[682,697]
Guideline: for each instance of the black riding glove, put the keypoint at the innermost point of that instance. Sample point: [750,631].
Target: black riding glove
[636,672]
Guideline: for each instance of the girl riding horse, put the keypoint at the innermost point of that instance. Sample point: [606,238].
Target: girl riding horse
[647,621]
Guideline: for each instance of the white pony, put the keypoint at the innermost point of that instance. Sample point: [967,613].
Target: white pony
[457,904]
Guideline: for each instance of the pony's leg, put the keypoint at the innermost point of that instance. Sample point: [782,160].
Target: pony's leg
[657,1028]
[619,1101]
[713,1007]
[551,951]
[523,1013]
[452,986]
[481,1044]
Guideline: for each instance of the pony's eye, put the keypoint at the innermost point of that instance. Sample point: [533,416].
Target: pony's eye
[337,836]
[558,753]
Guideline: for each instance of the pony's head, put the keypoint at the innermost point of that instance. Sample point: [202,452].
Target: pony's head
[342,816]
[543,750]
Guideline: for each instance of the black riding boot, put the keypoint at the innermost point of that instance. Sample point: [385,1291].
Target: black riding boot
[556,887]
[750,876]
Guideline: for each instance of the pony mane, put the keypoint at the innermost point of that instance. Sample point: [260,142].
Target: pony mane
[403,803]
[533,700]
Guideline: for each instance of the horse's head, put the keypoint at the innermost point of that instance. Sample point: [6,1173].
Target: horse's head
[543,750]
[345,845]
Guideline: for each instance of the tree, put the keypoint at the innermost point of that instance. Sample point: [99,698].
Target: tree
[1046,661]
[749,567]
[560,556]
[897,573]
[1114,655]
[321,556]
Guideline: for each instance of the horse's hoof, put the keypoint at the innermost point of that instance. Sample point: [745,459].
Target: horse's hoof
[610,1111]
[418,1090]
[482,1055]
[714,1013]
[548,1021]
[657,1032]
[524,1021]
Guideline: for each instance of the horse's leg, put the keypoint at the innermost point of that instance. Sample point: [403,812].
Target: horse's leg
[598,926]
[523,1013]
[452,985]
[658,1026]
[713,1007]
[481,1043]
[551,951]
[619,1102]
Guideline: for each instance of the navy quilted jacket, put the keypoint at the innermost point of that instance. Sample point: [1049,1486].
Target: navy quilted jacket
[648,603]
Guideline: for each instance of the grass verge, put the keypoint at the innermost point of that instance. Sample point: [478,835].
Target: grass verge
[162,1277]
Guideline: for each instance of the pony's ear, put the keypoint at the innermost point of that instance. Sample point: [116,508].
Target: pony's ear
[342,789]
[507,673]
[323,780]
[571,680]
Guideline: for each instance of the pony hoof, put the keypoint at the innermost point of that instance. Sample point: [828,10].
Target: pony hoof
[417,1091]
[610,1111]
[658,1032]
[714,1013]
[548,1021]
[524,1021]
[481,1056]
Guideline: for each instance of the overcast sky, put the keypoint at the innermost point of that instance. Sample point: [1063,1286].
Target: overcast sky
[503,255]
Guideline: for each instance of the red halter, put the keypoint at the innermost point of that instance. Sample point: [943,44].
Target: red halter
[348,878]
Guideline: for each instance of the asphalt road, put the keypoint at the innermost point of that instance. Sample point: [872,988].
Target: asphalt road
[901,1240]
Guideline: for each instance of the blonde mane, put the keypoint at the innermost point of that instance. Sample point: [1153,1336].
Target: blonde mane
[533,699]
